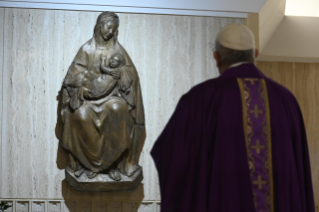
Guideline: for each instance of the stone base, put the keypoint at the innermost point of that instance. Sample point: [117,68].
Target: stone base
[103,182]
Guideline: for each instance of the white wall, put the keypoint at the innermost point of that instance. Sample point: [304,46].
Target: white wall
[296,39]
[306,8]
[270,17]
[171,54]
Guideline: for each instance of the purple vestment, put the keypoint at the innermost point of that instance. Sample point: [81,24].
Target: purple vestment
[236,143]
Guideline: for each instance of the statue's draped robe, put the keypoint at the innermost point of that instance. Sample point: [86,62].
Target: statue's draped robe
[201,155]
[104,118]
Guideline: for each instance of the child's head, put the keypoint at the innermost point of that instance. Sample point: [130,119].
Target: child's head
[117,60]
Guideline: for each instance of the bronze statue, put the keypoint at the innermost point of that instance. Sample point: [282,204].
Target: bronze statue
[103,114]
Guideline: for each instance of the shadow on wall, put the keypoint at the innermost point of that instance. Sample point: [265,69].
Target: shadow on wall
[115,201]
[62,155]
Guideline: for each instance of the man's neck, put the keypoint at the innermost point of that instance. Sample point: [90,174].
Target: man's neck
[236,64]
[224,68]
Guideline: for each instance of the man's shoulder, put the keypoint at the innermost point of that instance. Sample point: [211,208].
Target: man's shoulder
[215,84]
[199,88]
[278,88]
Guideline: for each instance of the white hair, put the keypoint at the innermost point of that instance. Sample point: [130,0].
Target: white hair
[230,56]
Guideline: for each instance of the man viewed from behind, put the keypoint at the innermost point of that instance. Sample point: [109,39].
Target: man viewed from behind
[236,143]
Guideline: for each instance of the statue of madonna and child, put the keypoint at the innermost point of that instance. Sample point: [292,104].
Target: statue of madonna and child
[103,114]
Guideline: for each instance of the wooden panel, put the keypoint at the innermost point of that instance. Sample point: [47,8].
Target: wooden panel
[302,79]
[280,72]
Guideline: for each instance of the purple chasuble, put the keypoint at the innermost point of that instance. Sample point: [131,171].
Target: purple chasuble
[236,143]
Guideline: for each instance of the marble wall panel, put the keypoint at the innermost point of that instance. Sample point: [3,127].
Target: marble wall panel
[38,206]
[30,123]
[51,205]
[1,78]
[147,207]
[54,206]
[10,203]
[22,206]
[158,207]
[171,54]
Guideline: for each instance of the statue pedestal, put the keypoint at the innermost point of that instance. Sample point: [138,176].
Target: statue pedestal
[103,182]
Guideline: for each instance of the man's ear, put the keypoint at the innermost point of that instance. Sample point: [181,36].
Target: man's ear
[256,53]
[217,58]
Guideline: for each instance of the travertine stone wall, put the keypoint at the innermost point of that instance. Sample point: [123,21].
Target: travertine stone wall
[171,54]
[1,80]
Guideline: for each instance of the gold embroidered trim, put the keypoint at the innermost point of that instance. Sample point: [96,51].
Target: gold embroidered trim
[246,99]
[269,146]
[248,127]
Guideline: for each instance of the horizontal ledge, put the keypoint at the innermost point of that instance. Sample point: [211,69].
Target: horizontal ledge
[75,199]
[287,59]
[303,16]
[79,7]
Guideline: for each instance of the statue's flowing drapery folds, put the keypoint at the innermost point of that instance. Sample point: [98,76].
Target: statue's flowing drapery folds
[103,121]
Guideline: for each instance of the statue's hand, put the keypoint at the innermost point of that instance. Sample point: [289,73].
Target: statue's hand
[116,74]
[103,59]
[88,75]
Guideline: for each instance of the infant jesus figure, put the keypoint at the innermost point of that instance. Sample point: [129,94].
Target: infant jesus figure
[98,86]
[116,61]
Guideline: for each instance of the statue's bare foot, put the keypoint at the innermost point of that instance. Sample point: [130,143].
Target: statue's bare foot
[72,162]
[115,175]
[131,172]
[79,172]
[72,166]
[91,174]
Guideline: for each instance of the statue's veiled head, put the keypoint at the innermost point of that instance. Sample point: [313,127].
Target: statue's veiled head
[106,25]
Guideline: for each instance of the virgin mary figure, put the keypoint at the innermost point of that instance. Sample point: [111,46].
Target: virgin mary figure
[103,114]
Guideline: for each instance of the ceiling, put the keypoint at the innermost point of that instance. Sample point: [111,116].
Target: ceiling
[221,8]
[287,30]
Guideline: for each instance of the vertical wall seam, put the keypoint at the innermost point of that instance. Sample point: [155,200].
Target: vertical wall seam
[1,157]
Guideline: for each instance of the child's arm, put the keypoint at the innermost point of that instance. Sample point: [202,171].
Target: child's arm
[104,68]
